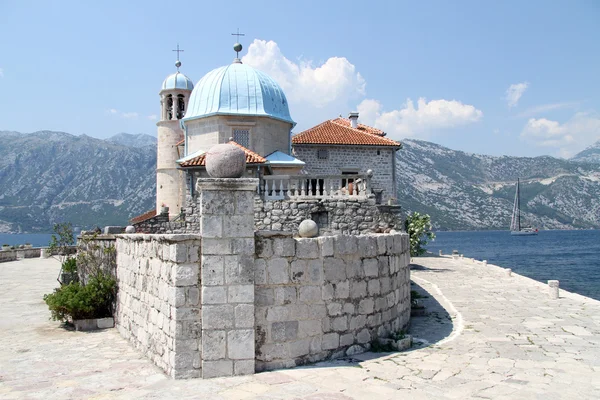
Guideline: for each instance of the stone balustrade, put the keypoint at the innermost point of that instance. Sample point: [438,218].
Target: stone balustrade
[298,187]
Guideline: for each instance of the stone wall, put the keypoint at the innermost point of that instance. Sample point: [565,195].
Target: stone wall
[266,135]
[328,296]
[158,302]
[96,252]
[353,159]
[334,216]
[17,254]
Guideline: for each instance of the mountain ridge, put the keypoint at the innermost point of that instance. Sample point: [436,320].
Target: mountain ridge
[48,177]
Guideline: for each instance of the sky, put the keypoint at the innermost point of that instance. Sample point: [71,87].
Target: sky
[516,78]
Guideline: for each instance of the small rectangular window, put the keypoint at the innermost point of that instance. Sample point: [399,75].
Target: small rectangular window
[322,154]
[242,136]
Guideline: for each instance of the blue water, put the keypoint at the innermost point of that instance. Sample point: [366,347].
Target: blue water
[572,257]
[36,239]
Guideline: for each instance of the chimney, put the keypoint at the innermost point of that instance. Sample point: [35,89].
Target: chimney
[353,117]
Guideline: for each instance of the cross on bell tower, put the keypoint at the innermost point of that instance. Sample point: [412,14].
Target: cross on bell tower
[178,63]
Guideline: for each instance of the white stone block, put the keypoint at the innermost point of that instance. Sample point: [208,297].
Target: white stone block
[215,369]
[241,294]
[214,295]
[243,367]
[277,271]
[185,274]
[177,253]
[217,316]
[330,341]
[214,344]
[240,344]
[244,316]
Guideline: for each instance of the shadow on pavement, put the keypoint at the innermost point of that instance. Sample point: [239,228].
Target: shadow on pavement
[418,267]
[427,330]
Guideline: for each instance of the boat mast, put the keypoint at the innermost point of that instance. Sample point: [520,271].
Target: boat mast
[518,206]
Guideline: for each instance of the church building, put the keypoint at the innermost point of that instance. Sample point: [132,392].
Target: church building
[239,104]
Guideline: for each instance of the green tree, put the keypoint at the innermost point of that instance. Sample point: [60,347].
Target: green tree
[418,227]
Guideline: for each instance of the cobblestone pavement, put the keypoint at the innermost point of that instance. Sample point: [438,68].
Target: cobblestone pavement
[485,335]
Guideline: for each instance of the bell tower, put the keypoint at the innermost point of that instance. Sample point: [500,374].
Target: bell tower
[170,182]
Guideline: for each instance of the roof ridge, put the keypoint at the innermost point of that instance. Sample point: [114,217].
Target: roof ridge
[246,150]
[313,128]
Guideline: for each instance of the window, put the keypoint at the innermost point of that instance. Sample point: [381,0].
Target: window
[378,152]
[180,106]
[322,154]
[242,136]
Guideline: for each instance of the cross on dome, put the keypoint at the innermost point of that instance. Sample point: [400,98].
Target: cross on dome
[237,47]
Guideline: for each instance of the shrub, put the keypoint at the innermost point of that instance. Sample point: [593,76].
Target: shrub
[69,266]
[76,301]
[418,227]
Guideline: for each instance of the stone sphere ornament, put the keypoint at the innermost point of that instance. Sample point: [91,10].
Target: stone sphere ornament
[308,228]
[225,161]
[130,229]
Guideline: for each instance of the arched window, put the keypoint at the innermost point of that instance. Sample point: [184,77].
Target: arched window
[180,106]
[169,107]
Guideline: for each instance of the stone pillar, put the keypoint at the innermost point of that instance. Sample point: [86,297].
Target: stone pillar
[227,227]
[553,289]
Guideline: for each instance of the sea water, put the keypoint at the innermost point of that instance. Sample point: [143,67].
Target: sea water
[35,239]
[572,257]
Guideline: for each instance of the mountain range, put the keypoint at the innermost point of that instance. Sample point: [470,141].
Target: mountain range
[48,177]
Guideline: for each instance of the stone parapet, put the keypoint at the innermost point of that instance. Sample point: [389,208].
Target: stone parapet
[327,297]
[158,302]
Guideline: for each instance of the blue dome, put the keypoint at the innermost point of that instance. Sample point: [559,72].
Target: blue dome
[177,81]
[238,89]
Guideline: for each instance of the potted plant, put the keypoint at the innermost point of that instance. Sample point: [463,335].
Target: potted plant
[88,306]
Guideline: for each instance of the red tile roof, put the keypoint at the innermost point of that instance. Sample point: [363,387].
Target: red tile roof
[365,128]
[251,158]
[338,131]
[143,217]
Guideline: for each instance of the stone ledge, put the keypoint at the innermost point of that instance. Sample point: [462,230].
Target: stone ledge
[169,238]
[246,184]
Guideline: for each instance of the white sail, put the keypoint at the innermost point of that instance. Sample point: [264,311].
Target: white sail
[515,223]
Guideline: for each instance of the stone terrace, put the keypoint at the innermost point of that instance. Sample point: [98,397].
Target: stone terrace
[491,335]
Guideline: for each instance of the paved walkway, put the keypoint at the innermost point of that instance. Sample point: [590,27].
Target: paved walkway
[486,335]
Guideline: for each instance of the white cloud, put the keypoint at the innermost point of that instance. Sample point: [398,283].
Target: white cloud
[530,112]
[331,82]
[1,73]
[152,117]
[127,115]
[418,121]
[567,138]
[514,93]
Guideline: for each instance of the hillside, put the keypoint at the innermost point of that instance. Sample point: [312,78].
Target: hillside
[470,191]
[47,177]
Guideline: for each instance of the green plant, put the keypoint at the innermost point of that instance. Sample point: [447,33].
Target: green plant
[378,347]
[69,265]
[397,335]
[418,227]
[76,301]
[62,239]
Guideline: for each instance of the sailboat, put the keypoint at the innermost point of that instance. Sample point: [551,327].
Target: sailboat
[515,224]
